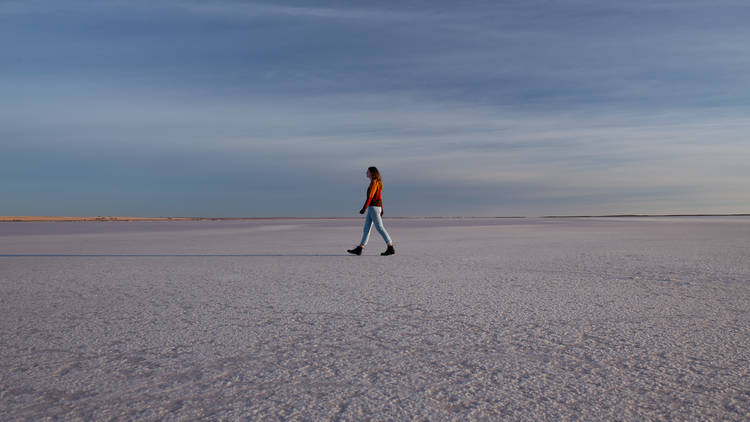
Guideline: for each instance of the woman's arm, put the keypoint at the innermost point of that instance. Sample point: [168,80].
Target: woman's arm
[370,194]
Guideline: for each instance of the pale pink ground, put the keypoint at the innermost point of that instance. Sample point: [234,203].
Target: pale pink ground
[473,319]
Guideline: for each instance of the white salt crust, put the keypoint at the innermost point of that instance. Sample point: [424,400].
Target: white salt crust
[472,319]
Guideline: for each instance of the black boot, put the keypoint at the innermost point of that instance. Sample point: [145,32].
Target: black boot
[355,251]
[389,251]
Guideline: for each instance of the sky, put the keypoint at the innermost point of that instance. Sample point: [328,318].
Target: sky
[272,108]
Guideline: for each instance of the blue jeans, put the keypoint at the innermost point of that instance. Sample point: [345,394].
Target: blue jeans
[373,216]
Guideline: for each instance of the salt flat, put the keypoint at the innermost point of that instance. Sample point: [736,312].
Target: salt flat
[473,319]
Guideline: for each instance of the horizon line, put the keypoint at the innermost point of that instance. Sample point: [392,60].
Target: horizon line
[24,219]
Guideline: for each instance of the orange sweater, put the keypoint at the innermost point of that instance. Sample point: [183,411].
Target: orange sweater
[373,194]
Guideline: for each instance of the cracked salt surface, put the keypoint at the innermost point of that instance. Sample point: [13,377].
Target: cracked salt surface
[473,319]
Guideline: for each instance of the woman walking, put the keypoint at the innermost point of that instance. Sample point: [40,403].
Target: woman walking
[374,209]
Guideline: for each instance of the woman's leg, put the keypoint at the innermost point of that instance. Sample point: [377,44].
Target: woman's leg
[366,231]
[374,214]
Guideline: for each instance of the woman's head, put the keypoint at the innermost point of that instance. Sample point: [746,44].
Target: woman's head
[373,173]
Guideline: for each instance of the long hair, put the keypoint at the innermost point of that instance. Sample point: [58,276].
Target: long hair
[375,174]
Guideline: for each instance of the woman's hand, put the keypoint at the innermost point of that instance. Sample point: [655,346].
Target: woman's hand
[381,212]
[362,211]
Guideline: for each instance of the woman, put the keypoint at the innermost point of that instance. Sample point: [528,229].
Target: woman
[374,208]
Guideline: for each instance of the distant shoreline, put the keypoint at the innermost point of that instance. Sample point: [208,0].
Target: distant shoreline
[645,215]
[22,219]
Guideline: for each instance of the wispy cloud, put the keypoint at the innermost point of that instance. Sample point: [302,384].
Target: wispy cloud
[555,161]
[253,9]
[226,8]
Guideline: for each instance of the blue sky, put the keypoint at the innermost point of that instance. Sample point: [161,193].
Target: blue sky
[240,108]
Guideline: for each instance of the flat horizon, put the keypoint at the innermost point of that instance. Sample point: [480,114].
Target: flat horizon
[30,218]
